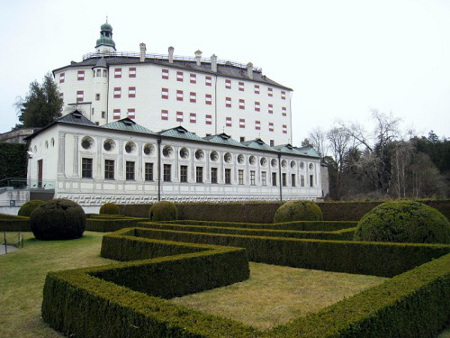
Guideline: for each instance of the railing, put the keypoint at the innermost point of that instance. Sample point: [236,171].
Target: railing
[166,57]
[15,182]
[42,184]
[12,240]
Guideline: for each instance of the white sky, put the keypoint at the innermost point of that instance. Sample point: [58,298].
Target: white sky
[342,58]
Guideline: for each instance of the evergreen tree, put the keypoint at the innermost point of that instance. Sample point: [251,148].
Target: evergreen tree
[41,106]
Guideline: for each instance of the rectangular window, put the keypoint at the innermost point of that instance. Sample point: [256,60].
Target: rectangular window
[167,174]
[86,167]
[242,139]
[270,108]
[274,179]
[98,73]
[252,177]
[284,111]
[228,84]
[116,114]
[272,143]
[193,97]
[165,93]
[109,169]
[165,74]
[179,116]
[129,171]
[271,128]
[241,123]
[257,106]
[257,125]
[208,81]
[80,75]
[208,119]
[97,97]
[117,92]
[193,117]
[213,175]
[241,86]
[193,78]
[208,99]
[227,176]
[80,96]
[103,114]
[302,181]
[199,174]
[284,129]
[263,178]
[183,173]
[228,102]
[241,177]
[228,122]
[270,91]
[62,77]
[180,76]
[241,104]
[164,114]
[311,180]
[149,171]
[117,72]
[283,177]
[293,180]
[131,113]
[283,95]
[179,95]
[131,91]
[132,72]
[256,89]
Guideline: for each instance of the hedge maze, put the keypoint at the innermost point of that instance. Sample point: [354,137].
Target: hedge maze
[159,261]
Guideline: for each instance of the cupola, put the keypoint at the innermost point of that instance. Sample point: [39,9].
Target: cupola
[105,44]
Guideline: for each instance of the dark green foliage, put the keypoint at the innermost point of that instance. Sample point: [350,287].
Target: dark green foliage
[109,209]
[108,223]
[13,163]
[403,221]
[14,223]
[58,219]
[298,211]
[163,211]
[27,208]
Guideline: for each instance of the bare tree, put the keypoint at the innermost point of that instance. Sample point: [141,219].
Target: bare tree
[317,138]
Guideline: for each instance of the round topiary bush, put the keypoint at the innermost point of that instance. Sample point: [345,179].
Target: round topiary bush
[163,211]
[58,219]
[298,211]
[27,208]
[405,222]
[109,208]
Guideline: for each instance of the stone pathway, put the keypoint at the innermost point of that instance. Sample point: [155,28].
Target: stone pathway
[8,247]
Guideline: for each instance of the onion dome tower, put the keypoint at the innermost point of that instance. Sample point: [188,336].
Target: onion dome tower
[105,44]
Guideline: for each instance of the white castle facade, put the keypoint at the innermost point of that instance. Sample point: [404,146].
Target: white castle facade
[137,128]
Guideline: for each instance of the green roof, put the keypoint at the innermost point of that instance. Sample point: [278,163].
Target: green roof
[180,132]
[127,124]
[258,144]
[222,139]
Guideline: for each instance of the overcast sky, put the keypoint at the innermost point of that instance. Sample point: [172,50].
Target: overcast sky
[341,58]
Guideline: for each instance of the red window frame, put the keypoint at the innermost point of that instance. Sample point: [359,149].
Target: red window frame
[257,106]
[180,76]
[208,99]
[283,95]
[132,72]
[193,118]
[62,77]
[80,95]
[164,93]
[257,125]
[257,89]
[131,91]
[284,129]
[117,92]
[270,108]
[271,127]
[80,75]
[180,116]
[228,122]
[241,104]
[180,95]
[228,84]
[116,114]
[208,81]
[193,78]
[131,113]
[228,102]
[241,86]
[117,73]
[284,111]
[208,119]
[241,123]
[164,114]
[193,97]
[270,91]
[165,74]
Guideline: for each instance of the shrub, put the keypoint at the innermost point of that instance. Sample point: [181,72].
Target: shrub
[58,219]
[109,208]
[163,211]
[403,221]
[27,208]
[298,211]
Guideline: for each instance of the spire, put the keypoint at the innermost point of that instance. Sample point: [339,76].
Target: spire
[105,44]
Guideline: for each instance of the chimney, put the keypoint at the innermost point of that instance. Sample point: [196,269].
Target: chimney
[171,49]
[198,57]
[142,49]
[214,63]
[250,70]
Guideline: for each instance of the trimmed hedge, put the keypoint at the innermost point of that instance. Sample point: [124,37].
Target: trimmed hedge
[109,209]
[163,211]
[28,207]
[369,258]
[11,224]
[109,224]
[298,211]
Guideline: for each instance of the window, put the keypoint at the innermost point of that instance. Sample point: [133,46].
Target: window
[129,171]
[193,97]
[164,114]
[103,114]
[98,73]
[116,114]
[179,116]
[208,81]
[183,173]
[208,119]
[117,72]
[270,91]
[213,175]
[109,169]
[228,84]
[117,92]
[241,104]
[252,177]
[241,86]
[80,96]
[131,113]
[257,106]
[283,95]
[193,78]
[293,179]
[263,178]
[284,129]
[241,139]
[241,123]
[228,102]
[193,117]
[199,174]
[302,180]
[228,122]
[257,125]
[105,73]
[132,72]
[241,176]
[149,171]
[272,143]
[164,93]
[283,177]
[274,179]
[283,111]
[271,128]
[270,108]
[131,91]
[62,77]
[227,176]
[311,180]
[80,75]
[179,95]
[97,97]
[180,76]
[208,99]
[256,89]
[165,74]
[86,167]
[167,177]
